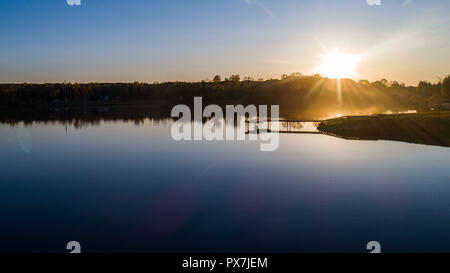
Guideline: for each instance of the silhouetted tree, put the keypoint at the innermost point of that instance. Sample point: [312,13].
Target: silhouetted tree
[425,89]
[445,87]
[235,78]
[364,82]
[380,84]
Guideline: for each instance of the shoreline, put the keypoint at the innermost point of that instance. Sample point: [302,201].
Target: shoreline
[419,128]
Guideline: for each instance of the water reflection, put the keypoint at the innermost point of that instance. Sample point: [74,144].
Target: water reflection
[121,187]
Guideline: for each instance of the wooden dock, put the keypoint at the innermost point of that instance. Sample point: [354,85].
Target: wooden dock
[288,122]
[286,132]
[283,120]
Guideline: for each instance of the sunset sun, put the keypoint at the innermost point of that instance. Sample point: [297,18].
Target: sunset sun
[338,64]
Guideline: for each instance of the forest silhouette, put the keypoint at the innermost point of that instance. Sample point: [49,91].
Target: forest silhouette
[298,96]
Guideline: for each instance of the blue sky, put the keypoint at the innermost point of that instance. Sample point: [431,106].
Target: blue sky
[144,40]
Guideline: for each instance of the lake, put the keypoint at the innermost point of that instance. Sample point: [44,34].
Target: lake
[129,187]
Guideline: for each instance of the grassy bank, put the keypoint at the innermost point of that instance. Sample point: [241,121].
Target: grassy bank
[422,128]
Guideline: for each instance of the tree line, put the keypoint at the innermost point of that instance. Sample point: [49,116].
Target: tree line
[307,93]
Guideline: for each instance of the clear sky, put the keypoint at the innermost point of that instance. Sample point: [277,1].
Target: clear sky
[166,40]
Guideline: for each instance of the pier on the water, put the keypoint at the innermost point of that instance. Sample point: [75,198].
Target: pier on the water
[290,126]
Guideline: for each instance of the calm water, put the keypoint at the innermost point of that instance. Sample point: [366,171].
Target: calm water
[122,187]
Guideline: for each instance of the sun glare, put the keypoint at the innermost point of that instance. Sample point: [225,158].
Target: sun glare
[337,65]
